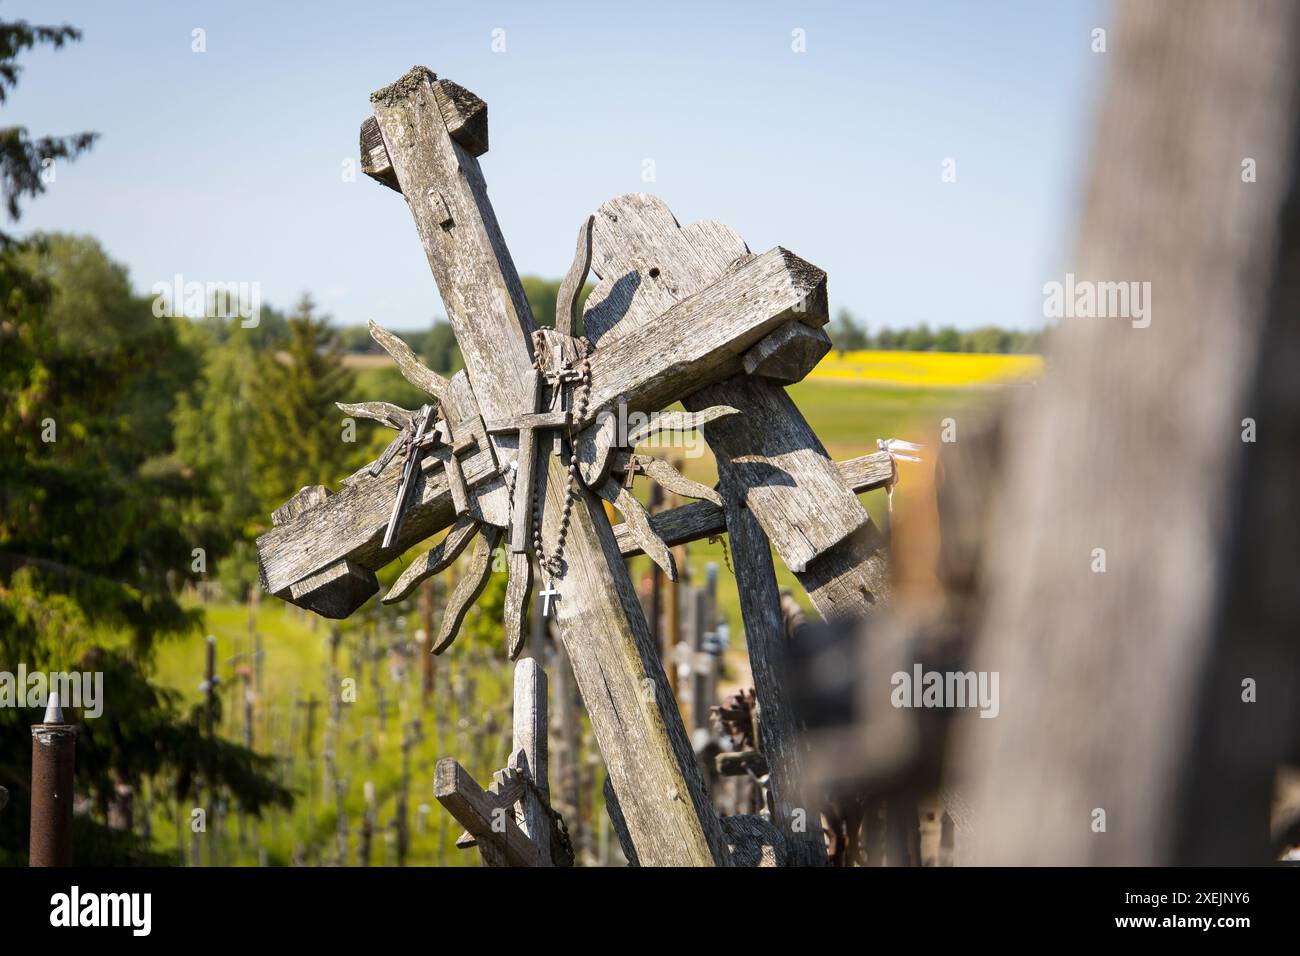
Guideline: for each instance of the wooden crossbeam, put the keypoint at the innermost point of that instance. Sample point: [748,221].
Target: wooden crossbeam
[482,814]
[741,762]
[775,476]
[700,340]
[703,519]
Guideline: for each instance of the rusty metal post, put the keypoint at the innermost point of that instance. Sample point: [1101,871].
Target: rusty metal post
[54,748]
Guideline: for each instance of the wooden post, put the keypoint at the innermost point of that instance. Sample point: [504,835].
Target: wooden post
[794,812]
[54,752]
[209,771]
[1127,606]
[568,749]
[367,824]
[309,738]
[432,146]
[428,660]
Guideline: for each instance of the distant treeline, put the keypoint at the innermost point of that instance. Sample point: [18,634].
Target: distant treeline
[848,335]
[437,344]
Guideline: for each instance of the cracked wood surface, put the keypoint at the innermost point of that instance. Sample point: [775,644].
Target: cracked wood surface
[639,731]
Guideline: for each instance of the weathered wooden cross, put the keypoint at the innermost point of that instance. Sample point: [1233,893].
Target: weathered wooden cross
[511,822]
[683,314]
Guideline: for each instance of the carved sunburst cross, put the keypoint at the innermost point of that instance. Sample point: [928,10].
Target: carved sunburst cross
[525,444]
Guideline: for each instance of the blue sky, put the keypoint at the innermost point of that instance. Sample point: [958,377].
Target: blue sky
[227,165]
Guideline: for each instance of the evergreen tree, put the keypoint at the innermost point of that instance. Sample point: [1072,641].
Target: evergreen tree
[297,433]
[846,334]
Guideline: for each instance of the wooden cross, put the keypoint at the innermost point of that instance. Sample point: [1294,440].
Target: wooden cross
[511,822]
[456,443]
[679,313]
[526,427]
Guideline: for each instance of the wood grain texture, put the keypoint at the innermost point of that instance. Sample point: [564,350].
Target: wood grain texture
[619,824]
[335,591]
[789,482]
[566,300]
[646,263]
[702,519]
[468,588]
[518,588]
[532,755]
[386,413]
[673,481]
[465,115]
[653,276]
[794,812]
[351,523]
[490,500]
[408,363]
[604,631]
[677,422]
[700,339]
[1128,683]
[637,519]
[787,355]
[476,810]
[434,561]
[374,157]
[302,501]
[476,277]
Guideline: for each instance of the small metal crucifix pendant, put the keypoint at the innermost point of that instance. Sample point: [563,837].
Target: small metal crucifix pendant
[546,598]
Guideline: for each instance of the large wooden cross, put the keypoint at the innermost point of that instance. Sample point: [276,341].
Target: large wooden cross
[683,314]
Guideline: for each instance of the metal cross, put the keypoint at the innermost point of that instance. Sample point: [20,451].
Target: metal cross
[546,599]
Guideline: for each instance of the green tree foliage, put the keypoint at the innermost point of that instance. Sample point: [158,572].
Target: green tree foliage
[296,433]
[96,535]
[24,161]
[541,295]
[89,375]
[440,349]
[847,335]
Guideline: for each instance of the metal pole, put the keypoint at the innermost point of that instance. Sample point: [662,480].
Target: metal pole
[54,748]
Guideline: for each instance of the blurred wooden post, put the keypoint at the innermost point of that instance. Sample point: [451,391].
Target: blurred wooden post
[1128,604]
[367,824]
[568,745]
[210,728]
[428,661]
[656,612]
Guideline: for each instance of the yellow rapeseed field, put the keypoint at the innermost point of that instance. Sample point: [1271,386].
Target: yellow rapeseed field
[934,369]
